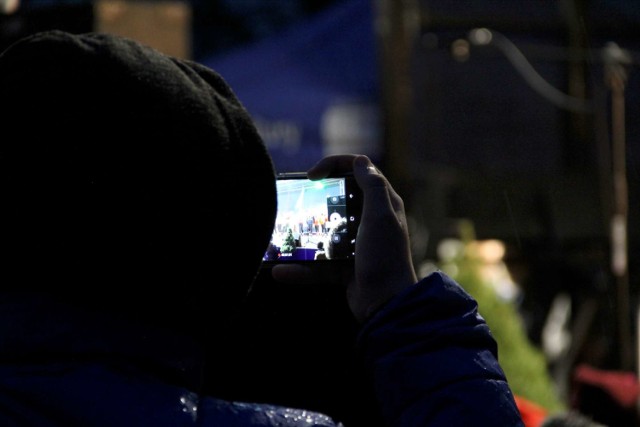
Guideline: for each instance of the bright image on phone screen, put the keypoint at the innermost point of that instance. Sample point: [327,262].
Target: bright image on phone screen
[314,221]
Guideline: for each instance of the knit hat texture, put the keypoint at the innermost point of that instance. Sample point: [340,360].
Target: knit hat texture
[124,169]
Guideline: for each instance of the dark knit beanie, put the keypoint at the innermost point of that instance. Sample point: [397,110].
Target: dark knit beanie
[126,171]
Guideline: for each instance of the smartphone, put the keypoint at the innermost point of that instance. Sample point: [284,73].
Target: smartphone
[316,221]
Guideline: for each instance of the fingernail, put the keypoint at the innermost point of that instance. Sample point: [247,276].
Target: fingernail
[364,164]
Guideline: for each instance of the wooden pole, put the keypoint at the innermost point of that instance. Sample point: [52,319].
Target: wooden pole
[616,62]
[397,26]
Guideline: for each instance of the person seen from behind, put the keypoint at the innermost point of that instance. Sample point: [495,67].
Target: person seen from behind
[127,178]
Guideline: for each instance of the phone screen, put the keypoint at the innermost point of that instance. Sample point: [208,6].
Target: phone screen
[316,220]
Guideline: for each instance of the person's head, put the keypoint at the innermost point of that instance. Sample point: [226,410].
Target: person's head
[123,172]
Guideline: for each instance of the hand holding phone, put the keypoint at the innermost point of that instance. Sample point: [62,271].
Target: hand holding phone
[383,263]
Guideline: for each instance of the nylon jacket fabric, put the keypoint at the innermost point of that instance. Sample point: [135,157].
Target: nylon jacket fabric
[429,354]
[434,362]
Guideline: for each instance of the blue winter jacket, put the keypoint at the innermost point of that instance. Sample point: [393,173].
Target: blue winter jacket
[428,352]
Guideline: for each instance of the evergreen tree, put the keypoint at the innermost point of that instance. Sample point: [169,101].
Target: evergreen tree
[289,244]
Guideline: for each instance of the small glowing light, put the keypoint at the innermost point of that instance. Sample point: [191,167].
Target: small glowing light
[449,249]
[318,185]
[480,36]
[492,250]
[460,50]
[9,6]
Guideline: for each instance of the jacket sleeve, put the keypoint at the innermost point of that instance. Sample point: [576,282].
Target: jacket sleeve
[433,361]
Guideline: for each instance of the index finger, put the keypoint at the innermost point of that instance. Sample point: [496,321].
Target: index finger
[336,164]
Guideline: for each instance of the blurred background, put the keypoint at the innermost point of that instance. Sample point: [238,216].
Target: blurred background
[510,127]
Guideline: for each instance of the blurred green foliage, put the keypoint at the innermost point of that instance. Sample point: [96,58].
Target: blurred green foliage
[523,363]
